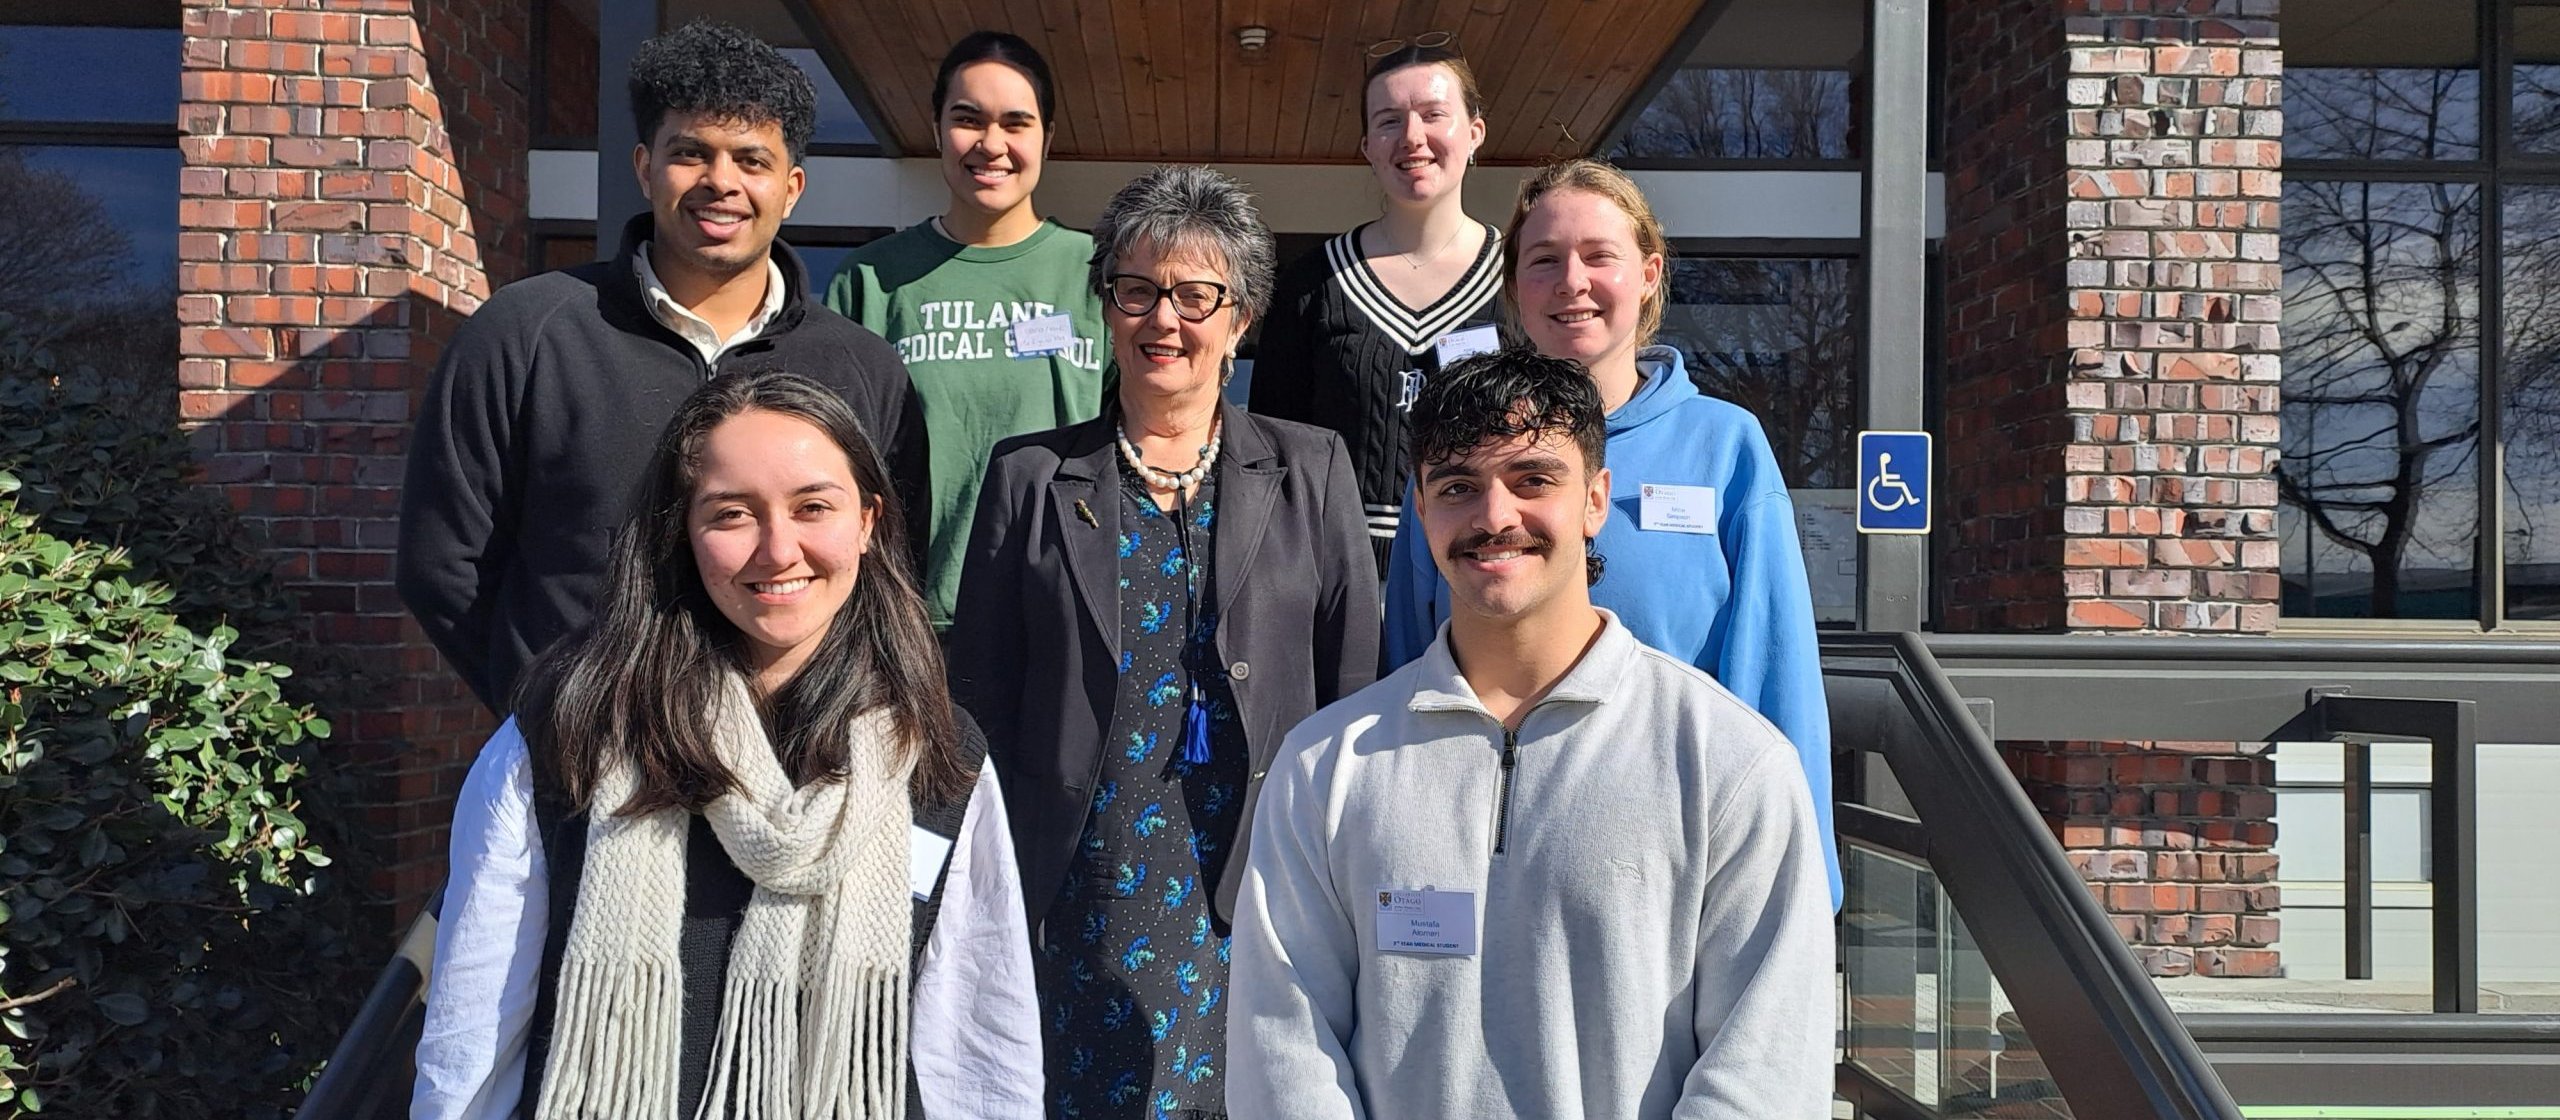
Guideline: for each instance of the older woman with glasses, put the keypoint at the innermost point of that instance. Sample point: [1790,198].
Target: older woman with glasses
[1150,600]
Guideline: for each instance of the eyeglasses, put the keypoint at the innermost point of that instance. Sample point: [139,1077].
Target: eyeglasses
[1194,300]
[1428,40]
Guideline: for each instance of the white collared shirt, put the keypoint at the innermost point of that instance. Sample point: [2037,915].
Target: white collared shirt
[694,328]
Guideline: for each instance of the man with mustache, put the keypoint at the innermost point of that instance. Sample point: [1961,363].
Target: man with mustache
[1543,869]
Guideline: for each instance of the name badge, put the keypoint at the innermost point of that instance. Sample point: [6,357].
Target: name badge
[1676,509]
[1439,923]
[1478,339]
[1039,336]
[926,853]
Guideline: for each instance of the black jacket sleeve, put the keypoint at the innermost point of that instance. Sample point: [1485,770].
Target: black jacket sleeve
[458,500]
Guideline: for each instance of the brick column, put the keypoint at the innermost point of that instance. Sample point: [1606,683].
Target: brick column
[2112,410]
[332,229]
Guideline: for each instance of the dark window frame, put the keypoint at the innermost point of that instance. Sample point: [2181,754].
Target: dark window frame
[2500,166]
[539,101]
[99,135]
[1672,69]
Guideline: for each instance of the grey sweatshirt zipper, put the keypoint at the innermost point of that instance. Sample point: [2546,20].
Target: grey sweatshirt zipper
[1502,801]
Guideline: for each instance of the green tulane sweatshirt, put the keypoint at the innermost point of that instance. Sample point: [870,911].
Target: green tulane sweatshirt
[950,310]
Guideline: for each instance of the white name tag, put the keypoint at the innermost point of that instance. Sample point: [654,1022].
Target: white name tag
[926,852]
[1039,336]
[1665,508]
[1478,339]
[1442,923]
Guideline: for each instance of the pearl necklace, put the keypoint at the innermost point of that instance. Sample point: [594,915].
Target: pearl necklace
[1163,479]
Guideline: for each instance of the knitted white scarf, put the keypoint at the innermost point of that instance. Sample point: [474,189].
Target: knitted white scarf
[813,1017]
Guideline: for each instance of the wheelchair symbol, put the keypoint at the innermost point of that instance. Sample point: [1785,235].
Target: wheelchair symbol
[1885,480]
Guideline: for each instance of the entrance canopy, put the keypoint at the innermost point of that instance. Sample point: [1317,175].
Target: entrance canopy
[1176,79]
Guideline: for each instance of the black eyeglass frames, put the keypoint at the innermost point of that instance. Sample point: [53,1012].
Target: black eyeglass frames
[1193,300]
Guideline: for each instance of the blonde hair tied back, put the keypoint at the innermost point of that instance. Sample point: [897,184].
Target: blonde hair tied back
[1606,181]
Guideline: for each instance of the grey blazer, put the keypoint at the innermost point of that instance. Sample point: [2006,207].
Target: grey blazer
[1035,643]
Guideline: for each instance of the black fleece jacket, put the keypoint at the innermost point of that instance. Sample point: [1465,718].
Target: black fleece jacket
[538,424]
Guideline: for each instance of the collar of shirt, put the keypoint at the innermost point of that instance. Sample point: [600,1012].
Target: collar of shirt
[694,328]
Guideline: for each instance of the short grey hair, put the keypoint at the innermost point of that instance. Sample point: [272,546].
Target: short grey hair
[1190,209]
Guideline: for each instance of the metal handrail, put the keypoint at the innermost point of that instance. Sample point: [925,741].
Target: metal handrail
[2108,1038]
[359,1083]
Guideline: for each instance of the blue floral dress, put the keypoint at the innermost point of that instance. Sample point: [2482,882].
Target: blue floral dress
[1133,966]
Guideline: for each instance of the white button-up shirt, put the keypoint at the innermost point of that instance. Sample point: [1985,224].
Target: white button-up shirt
[694,328]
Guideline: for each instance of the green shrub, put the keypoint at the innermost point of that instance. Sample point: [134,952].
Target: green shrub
[175,942]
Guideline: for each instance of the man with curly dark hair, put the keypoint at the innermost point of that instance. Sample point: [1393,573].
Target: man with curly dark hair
[1543,869]
[544,407]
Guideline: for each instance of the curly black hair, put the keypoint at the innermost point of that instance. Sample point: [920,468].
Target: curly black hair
[1504,394]
[717,69]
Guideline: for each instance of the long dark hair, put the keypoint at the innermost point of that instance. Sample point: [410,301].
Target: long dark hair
[642,680]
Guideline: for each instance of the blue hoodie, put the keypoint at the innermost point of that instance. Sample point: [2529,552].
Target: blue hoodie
[1734,602]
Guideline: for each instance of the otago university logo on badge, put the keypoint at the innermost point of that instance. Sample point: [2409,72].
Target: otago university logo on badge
[1386,899]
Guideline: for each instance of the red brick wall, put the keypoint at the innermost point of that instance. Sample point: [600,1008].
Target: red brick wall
[332,229]
[2004,424]
[2112,410]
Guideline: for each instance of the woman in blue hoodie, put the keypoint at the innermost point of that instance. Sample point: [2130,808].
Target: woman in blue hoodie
[1703,560]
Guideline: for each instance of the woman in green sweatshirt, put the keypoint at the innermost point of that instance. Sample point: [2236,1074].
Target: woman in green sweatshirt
[987,303]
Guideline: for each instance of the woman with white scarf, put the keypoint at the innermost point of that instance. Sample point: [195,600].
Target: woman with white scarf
[687,875]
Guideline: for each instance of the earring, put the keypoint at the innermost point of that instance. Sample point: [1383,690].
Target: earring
[1229,373]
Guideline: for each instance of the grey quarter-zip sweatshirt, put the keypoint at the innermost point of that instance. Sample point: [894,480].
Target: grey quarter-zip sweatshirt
[1652,926]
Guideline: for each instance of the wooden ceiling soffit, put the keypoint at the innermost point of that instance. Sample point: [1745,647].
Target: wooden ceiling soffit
[1149,80]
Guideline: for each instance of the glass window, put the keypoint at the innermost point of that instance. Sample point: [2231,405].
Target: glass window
[1744,114]
[2381,462]
[89,74]
[1769,81]
[1779,336]
[2529,403]
[838,123]
[2398,80]
[88,253]
[822,261]
[2535,98]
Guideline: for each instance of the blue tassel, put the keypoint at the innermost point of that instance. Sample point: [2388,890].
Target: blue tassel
[1195,731]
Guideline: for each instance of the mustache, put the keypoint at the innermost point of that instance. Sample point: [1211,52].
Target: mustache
[1504,541]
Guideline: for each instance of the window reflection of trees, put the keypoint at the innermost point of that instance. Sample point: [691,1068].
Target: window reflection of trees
[2381,401]
[2534,103]
[1778,337]
[69,279]
[2529,402]
[2382,113]
[1744,114]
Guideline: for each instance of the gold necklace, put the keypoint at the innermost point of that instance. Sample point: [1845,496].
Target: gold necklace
[1417,266]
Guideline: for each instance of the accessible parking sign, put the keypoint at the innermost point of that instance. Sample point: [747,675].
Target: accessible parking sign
[1893,482]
